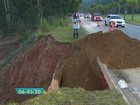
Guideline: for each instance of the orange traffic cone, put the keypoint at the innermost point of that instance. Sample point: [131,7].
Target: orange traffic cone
[112,27]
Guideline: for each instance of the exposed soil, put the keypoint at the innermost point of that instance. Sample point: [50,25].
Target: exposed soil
[82,70]
[75,65]
[78,71]
[114,48]
[34,68]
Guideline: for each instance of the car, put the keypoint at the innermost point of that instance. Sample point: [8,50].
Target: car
[87,15]
[96,17]
[81,15]
[116,19]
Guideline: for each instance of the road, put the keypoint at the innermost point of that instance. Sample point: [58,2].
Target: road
[132,31]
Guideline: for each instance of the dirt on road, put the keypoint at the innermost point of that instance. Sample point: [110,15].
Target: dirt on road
[75,65]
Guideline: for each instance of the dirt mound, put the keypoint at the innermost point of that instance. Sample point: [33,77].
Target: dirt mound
[34,68]
[115,49]
[81,69]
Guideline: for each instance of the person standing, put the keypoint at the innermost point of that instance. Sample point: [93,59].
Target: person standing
[76,25]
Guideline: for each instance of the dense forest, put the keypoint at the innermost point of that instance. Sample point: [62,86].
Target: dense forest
[18,15]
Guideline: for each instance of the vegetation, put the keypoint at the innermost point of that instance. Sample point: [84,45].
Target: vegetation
[132,4]
[75,96]
[117,7]
[61,30]
[22,15]
[128,19]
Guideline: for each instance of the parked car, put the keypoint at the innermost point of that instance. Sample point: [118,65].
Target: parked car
[96,17]
[118,20]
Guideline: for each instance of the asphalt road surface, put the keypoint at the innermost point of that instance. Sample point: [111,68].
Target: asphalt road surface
[132,31]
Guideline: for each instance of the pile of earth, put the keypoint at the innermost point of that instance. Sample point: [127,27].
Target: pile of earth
[81,69]
[75,65]
[114,48]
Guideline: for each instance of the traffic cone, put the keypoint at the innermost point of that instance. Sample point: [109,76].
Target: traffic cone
[113,27]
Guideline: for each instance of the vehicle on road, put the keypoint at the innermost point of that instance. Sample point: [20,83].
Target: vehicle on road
[81,15]
[113,18]
[87,16]
[96,17]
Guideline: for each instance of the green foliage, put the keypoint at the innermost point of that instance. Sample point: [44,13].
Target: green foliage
[44,25]
[24,36]
[28,13]
[115,6]
[77,96]
[61,30]
[128,19]
[65,33]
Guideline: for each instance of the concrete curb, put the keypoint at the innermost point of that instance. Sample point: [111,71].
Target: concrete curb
[110,80]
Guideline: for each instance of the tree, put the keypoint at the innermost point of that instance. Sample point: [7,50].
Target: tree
[7,7]
[132,4]
[21,14]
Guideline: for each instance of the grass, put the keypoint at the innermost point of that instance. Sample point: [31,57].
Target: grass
[63,33]
[76,96]
[128,19]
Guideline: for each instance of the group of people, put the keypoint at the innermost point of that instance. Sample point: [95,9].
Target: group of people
[76,25]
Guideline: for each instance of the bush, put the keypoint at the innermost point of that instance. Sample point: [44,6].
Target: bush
[24,36]
[44,25]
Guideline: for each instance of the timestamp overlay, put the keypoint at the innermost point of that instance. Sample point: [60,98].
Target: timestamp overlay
[29,91]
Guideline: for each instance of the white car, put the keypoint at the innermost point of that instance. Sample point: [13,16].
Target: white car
[116,19]
[87,15]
